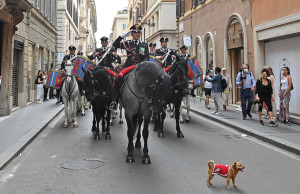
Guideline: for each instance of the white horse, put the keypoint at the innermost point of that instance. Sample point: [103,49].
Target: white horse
[70,92]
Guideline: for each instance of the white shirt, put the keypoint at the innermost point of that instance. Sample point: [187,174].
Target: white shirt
[207,84]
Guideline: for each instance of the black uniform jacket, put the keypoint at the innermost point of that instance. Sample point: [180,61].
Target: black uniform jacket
[163,52]
[136,53]
[66,57]
[184,56]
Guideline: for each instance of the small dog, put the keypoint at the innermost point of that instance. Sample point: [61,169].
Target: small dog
[226,171]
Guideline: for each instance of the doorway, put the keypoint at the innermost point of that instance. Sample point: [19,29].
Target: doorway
[236,61]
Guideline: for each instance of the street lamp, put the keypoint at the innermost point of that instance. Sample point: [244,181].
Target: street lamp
[80,37]
[149,24]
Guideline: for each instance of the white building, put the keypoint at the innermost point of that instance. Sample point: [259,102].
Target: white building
[119,27]
[76,26]
[158,19]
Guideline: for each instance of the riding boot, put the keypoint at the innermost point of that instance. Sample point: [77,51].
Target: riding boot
[113,104]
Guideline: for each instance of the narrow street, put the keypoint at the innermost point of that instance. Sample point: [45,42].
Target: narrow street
[178,165]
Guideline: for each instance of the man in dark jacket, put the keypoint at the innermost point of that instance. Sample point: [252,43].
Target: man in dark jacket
[166,55]
[72,50]
[137,52]
[216,90]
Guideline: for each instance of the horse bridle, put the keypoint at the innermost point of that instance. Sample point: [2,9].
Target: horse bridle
[70,92]
[95,92]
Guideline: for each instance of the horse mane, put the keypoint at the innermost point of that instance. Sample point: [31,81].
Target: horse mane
[147,73]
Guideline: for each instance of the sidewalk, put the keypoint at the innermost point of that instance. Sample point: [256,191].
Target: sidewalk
[283,136]
[22,126]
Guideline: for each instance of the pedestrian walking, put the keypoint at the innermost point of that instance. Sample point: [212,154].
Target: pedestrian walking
[207,88]
[39,83]
[247,83]
[272,79]
[284,93]
[228,89]
[216,90]
[45,77]
[263,94]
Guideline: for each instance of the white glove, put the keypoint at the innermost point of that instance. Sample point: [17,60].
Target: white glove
[126,34]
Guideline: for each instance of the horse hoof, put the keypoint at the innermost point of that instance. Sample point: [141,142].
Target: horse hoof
[121,122]
[65,126]
[75,125]
[97,136]
[110,123]
[138,144]
[180,135]
[171,116]
[107,136]
[82,114]
[130,160]
[161,135]
[187,120]
[146,161]
[181,122]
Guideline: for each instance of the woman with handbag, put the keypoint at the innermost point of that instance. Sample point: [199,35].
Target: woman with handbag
[284,93]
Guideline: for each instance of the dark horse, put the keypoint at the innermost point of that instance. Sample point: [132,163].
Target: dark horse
[98,89]
[143,90]
[178,84]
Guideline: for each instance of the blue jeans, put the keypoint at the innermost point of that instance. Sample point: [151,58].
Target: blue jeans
[246,94]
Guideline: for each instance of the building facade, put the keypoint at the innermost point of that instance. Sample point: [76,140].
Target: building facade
[88,27]
[158,19]
[219,33]
[119,27]
[276,32]
[34,49]
[11,14]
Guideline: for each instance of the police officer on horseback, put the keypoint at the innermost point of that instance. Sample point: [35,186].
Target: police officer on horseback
[72,50]
[152,47]
[168,56]
[137,52]
[106,55]
[183,54]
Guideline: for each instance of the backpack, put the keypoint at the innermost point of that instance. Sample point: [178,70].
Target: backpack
[224,84]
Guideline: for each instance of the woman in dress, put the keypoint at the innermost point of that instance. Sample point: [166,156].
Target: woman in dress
[263,94]
[284,94]
[39,85]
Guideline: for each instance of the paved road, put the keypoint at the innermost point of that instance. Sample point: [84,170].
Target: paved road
[178,165]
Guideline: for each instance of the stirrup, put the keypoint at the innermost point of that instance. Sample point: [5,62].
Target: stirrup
[113,106]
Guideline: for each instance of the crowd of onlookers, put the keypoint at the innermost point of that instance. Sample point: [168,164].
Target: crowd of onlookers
[260,91]
[42,89]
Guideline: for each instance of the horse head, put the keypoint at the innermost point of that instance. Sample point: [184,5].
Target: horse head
[96,82]
[69,71]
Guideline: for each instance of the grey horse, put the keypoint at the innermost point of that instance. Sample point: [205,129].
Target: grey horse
[142,91]
[70,92]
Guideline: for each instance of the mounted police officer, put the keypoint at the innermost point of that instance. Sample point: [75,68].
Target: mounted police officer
[72,50]
[106,55]
[152,47]
[137,52]
[165,54]
[183,54]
